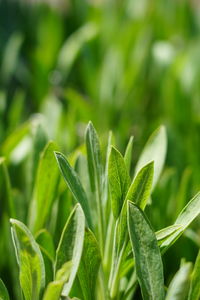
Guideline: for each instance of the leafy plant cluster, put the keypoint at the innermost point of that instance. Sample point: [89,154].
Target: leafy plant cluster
[104,247]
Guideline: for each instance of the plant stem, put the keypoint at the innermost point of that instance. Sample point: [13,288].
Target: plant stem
[115,280]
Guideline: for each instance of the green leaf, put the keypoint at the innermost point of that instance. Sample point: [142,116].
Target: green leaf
[54,288]
[118,180]
[3,291]
[74,184]
[138,192]
[194,292]
[5,185]
[128,153]
[45,188]
[154,150]
[179,286]
[166,232]
[29,257]
[148,260]
[71,245]
[94,158]
[185,218]
[39,142]
[89,266]
[140,189]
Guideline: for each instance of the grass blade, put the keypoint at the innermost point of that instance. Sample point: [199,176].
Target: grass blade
[148,260]
[6,186]
[194,292]
[74,184]
[29,257]
[71,245]
[128,153]
[185,218]
[154,150]
[94,158]
[45,188]
[166,232]
[118,180]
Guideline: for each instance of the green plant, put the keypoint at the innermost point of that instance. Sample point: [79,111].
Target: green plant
[107,245]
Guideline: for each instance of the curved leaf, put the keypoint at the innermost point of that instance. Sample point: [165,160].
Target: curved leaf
[118,180]
[74,184]
[29,257]
[148,260]
[185,218]
[45,188]
[128,153]
[71,245]
[93,158]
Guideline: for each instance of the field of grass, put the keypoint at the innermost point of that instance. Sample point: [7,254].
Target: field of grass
[120,225]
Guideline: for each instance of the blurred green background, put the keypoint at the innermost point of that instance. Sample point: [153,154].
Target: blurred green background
[128,66]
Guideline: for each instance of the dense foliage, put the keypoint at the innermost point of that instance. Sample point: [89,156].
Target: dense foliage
[106,245]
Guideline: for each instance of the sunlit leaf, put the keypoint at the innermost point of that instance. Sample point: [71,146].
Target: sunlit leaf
[29,257]
[45,188]
[71,245]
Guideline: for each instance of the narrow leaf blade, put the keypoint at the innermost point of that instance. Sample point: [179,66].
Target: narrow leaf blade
[94,157]
[128,153]
[45,188]
[118,180]
[148,260]
[71,245]
[185,218]
[74,184]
